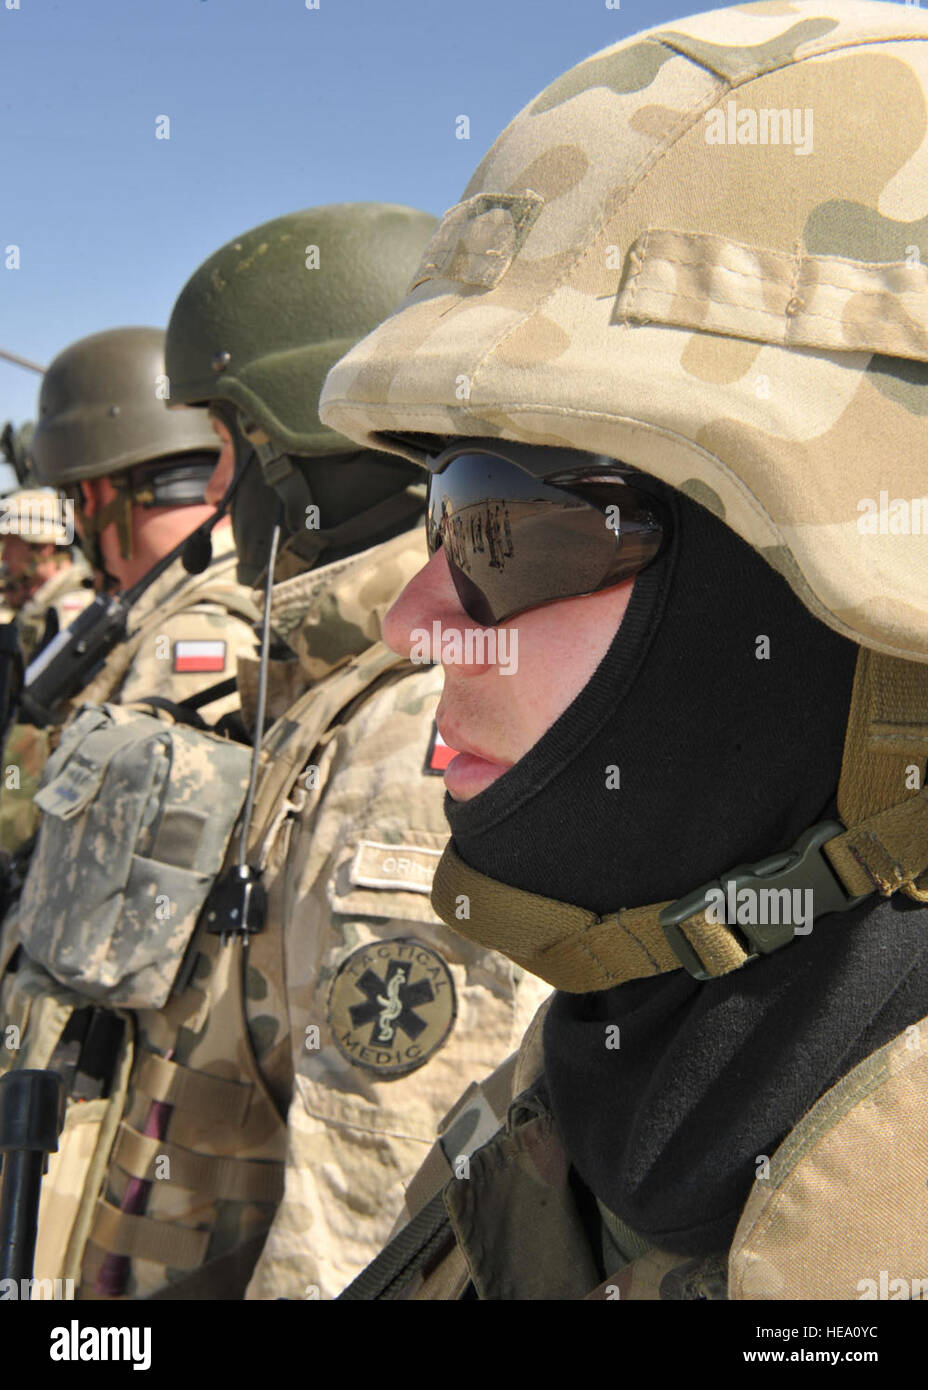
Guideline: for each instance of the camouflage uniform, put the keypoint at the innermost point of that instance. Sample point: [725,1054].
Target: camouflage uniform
[187,632]
[348,884]
[620,233]
[349,862]
[507,1220]
[347,830]
[208,613]
[62,597]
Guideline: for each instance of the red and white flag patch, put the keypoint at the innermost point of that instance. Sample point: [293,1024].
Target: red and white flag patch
[439,754]
[199,656]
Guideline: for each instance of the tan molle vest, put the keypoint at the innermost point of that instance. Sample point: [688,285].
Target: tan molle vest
[839,1214]
[224,1139]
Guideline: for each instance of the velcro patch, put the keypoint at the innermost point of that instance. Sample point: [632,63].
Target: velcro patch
[200,656]
[394,866]
[477,240]
[391,1006]
[439,754]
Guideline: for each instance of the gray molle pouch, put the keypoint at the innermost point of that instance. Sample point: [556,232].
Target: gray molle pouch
[137,815]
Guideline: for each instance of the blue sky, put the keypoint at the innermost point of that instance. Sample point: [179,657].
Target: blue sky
[273,107]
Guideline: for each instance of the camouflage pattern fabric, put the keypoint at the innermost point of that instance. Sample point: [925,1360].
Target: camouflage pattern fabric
[348,870]
[68,593]
[714,206]
[845,1182]
[207,617]
[211,616]
[137,814]
[348,881]
[25,753]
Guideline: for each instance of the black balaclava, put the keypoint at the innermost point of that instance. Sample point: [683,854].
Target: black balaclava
[723,704]
[342,486]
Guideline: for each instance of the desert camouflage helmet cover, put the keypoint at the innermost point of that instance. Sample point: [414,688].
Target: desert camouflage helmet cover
[101,409]
[261,321]
[637,269]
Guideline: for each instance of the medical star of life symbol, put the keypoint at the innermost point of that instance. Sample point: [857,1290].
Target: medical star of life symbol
[391,1003]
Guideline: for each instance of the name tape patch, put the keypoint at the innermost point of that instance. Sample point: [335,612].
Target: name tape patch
[394,866]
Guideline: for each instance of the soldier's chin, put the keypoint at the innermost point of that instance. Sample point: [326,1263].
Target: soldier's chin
[466,775]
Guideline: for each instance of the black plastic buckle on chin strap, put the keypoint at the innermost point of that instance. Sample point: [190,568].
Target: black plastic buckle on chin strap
[803,867]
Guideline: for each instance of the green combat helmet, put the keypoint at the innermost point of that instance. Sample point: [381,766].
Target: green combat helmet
[101,414]
[253,334]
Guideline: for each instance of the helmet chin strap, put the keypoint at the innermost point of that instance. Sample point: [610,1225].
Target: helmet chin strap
[179,483]
[307,538]
[91,524]
[280,474]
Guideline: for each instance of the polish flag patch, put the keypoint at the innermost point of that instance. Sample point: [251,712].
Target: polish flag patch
[199,656]
[439,754]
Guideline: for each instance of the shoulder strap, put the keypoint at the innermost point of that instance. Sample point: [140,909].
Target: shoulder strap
[228,596]
[292,739]
[881,796]
[408,1252]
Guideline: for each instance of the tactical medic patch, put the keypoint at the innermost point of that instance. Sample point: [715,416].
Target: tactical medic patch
[391,1006]
[439,754]
[199,656]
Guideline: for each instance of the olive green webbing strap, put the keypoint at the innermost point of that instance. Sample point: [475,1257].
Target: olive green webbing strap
[572,948]
[363,527]
[408,1252]
[881,796]
[226,1277]
[885,848]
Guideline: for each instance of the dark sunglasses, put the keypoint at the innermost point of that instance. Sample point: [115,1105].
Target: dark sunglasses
[514,541]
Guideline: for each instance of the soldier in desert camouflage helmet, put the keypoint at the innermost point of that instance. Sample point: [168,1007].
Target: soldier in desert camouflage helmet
[48,583]
[16,450]
[687,287]
[46,574]
[279,1044]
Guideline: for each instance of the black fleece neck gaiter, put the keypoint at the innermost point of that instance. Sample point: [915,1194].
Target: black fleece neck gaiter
[722,704]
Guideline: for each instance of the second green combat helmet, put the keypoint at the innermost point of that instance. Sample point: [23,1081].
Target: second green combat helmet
[253,334]
[138,475]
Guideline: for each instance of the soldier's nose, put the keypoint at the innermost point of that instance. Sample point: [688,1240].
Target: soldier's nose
[428,596]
